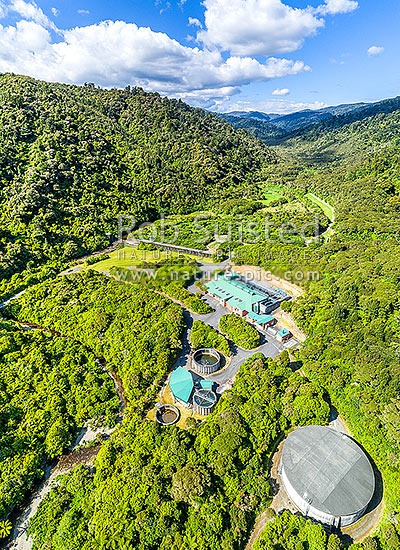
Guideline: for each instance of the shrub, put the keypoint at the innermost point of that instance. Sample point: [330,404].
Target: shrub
[239,331]
[95,259]
[270,513]
[204,336]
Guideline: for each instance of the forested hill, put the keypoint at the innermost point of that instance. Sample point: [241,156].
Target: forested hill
[73,158]
[329,134]
[347,139]
[261,129]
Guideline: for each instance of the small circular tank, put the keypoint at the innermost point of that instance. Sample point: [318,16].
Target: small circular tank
[206,361]
[204,401]
[166,415]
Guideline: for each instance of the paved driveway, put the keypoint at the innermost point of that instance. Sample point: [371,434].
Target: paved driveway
[224,379]
[72,270]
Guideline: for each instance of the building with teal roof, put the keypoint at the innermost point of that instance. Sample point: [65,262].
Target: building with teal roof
[181,384]
[206,384]
[283,335]
[261,319]
[235,294]
[243,297]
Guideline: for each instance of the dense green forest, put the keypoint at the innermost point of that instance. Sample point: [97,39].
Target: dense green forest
[347,139]
[204,336]
[177,489]
[49,387]
[331,133]
[72,159]
[169,277]
[351,313]
[295,533]
[239,221]
[136,330]
[261,129]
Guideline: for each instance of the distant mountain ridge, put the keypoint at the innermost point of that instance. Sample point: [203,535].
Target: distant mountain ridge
[256,115]
[305,114]
[270,127]
[310,116]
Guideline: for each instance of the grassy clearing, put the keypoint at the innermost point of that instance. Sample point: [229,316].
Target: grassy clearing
[272,194]
[325,207]
[131,257]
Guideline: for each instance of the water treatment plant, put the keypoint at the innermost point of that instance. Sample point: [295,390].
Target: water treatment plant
[327,475]
[202,374]
[245,298]
[198,395]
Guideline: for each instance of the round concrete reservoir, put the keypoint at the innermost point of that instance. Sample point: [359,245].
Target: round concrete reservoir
[166,415]
[327,475]
[206,361]
[204,401]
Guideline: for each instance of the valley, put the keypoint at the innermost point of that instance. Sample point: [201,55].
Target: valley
[253,205]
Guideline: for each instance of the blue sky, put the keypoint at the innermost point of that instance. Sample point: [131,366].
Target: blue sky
[270,55]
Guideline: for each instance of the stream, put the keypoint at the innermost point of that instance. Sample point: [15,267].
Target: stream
[21,517]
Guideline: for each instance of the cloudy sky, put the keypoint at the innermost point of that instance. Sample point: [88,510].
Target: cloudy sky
[269,55]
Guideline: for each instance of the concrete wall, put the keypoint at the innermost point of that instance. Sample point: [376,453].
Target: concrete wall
[204,411]
[309,511]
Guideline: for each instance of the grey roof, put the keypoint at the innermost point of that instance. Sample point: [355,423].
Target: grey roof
[328,470]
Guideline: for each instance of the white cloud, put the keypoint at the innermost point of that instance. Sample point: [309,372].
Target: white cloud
[337,61]
[24,48]
[281,91]
[119,53]
[165,8]
[375,50]
[264,27]
[3,10]
[31,12]
[208,98]
[116,53]
[195,22]
[257,27]
[333,7]
[55,12]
